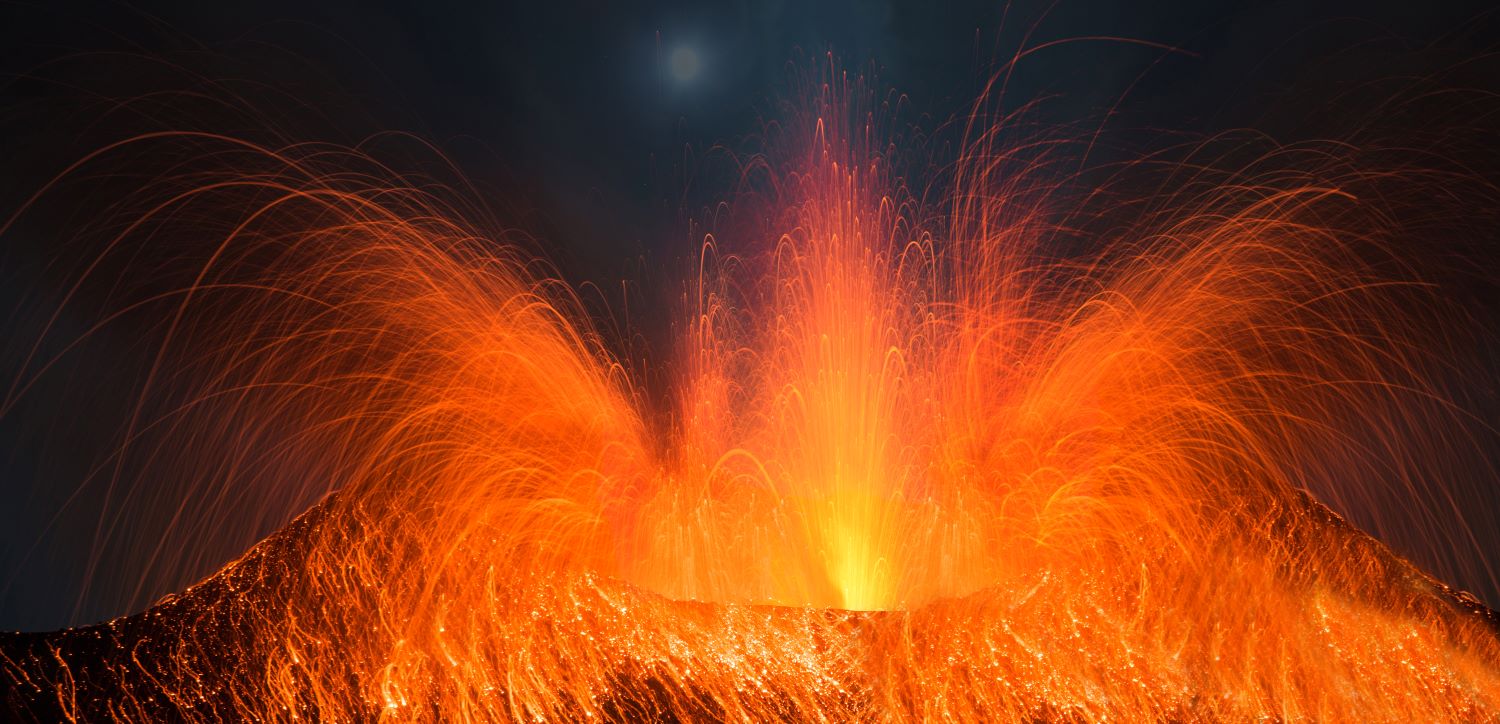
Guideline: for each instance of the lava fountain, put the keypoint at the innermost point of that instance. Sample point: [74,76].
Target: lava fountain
[911,469]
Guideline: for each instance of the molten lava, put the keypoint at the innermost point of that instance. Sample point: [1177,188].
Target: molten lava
[912,469]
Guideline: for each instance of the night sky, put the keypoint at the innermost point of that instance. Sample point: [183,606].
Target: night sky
[584,125]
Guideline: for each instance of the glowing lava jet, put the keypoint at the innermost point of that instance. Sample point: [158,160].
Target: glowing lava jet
[913,470]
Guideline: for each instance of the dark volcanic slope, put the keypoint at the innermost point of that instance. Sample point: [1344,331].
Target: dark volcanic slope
[204,654]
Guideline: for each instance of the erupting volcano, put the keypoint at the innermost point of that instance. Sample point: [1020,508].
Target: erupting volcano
[908,463]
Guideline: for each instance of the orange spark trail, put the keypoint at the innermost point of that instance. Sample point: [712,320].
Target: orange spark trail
[914,471]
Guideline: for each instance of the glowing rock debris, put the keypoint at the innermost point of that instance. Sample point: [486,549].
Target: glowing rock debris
[908,468]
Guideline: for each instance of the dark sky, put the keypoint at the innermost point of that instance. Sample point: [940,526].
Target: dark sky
[577,100]
[572,114]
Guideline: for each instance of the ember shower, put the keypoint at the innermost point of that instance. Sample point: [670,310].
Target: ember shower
[910,465]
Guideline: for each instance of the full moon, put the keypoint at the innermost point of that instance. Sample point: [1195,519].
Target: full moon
[684,64]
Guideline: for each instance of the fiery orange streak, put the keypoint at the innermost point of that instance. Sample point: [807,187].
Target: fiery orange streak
[913,473]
